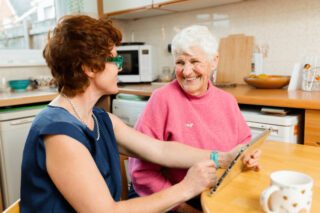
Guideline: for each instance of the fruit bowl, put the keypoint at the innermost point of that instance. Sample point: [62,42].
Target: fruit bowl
[267,81]
[19,85]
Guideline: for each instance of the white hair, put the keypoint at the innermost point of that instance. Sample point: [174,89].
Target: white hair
[195,36]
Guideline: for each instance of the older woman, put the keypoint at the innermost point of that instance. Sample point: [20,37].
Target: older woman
[189,110]
[71,157]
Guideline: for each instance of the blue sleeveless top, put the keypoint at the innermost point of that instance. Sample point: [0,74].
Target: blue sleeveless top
[38,192]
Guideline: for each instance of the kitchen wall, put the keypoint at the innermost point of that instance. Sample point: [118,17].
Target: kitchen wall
[22,64]
[285,30]
[23,72]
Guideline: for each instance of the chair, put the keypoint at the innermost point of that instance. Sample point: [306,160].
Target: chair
[124,193]
[14,208]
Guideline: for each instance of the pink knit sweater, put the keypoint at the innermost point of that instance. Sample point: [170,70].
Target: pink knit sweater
[210,121]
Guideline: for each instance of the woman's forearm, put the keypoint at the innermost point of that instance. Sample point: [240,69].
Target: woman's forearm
[177,155]
[199,177]
[183,156]
[161,201]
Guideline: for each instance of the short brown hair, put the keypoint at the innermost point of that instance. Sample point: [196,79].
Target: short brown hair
[79,40]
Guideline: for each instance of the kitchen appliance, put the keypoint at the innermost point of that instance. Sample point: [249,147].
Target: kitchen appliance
[128,110]
[139,63]
[284,128]
[14,127]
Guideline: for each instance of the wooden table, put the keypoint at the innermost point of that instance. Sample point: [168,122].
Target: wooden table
[243,193]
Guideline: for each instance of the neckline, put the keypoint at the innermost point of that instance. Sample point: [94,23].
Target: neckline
[198,98]
[75,118]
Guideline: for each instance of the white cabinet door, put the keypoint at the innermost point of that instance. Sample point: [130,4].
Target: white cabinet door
[111,6]
[164,1]
[185,5]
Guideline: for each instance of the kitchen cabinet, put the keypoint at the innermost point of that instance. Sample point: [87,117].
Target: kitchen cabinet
[134,9]
[312,128]
[123,9]
[185,5]
[111,6]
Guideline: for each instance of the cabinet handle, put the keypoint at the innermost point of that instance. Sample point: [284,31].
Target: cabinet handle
[19,122]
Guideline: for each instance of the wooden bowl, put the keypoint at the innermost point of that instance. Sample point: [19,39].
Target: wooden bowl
[269,82]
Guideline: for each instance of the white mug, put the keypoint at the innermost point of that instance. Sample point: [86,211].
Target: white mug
[290,191]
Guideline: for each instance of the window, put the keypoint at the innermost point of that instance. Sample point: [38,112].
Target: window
[24,23]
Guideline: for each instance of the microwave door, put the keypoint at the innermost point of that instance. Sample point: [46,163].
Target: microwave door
[130,67]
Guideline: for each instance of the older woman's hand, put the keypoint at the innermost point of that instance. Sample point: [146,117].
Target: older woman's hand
[251,160]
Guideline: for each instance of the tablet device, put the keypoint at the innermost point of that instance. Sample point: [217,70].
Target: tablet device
[236,165]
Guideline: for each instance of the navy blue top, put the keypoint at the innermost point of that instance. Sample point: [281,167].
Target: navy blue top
[38,192]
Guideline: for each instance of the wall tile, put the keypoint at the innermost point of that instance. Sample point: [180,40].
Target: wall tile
[291,29]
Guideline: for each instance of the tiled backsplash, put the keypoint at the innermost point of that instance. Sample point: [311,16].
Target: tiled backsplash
[20,73]
[22,64]
[287,30]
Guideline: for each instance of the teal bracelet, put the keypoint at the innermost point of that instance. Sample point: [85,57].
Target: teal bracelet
[214,157]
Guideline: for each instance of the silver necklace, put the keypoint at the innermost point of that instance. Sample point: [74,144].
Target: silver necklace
[77,114]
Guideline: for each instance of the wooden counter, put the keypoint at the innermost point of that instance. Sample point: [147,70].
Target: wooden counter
[309,101]
[26,97]
[242,194]
[248,95]
[139,89]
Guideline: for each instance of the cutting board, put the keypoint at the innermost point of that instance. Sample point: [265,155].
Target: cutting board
[235,56]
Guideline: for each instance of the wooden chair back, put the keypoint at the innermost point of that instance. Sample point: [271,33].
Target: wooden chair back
[14,208]
[124,193]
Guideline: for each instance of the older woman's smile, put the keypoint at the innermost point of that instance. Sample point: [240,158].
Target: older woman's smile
[193,70]
[191,80]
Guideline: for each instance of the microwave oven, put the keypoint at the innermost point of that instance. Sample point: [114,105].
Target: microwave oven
[139,64]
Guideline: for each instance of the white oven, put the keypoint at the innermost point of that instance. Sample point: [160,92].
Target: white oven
[128,110]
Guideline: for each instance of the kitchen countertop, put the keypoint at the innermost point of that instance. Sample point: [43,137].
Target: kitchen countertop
[26,97]
[243,93]
[249,95]
[308,101]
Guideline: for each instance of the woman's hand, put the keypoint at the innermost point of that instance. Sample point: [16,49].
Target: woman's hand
[199,178]
[251,160]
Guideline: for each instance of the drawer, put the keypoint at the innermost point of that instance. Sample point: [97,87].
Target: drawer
[312,128]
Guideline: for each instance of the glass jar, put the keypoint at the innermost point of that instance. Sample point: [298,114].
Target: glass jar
[166,75]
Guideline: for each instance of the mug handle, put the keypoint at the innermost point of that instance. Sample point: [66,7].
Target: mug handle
[265,196]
